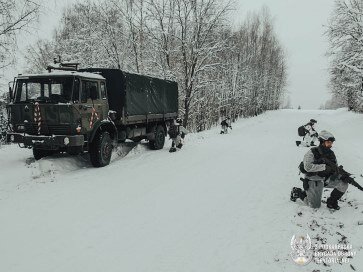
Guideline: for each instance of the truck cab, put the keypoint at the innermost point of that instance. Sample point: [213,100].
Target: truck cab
[56,112]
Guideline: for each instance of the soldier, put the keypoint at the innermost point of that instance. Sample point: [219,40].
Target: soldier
[321,170]
[226,123]
[308,133]
[177,133]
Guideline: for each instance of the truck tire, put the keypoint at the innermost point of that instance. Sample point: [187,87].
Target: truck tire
[158,142]
[101,149]
[41,153]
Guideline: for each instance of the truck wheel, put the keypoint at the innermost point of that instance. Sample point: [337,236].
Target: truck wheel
[40,153]
[159,141]
[101,149]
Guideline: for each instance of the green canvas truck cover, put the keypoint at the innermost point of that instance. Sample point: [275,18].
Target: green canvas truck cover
[138,94]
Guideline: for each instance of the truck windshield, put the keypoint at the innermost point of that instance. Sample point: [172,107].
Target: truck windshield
[52,90]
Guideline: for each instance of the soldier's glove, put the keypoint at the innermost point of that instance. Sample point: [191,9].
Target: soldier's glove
[329,171]
[330,166]
[332,169]
[320,161]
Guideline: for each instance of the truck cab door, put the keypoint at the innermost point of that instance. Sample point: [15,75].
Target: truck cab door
[104,101]
[91,109]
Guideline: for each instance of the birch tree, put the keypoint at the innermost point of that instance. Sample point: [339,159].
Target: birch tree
[15,16]
[345,33]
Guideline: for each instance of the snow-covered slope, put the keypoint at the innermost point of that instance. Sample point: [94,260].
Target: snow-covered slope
[220,204]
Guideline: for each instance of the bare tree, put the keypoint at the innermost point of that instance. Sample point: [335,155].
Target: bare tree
[197,22]
[15,16]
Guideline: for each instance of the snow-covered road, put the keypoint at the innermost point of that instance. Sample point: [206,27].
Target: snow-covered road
[220,204]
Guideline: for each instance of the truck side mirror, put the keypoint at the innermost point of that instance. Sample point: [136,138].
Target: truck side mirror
[10,94]
[93,92]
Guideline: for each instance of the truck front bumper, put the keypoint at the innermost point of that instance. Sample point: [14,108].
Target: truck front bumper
[49,142]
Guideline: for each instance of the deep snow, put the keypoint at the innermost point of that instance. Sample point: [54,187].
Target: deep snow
[220,204]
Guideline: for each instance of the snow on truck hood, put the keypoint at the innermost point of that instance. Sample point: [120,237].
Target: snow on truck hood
[63,73]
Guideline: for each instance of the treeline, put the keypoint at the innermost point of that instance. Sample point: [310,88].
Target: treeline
[220,70]
[345,33]
[16,16]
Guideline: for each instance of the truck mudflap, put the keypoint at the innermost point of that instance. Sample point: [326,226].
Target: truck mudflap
[49,142]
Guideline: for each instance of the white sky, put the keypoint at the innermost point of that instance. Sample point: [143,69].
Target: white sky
[298,24]
[51,12]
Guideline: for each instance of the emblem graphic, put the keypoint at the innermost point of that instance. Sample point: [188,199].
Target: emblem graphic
[301,246]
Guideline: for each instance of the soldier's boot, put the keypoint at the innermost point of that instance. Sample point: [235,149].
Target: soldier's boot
[298,143]
[296,193]
[172,149]
[332,201]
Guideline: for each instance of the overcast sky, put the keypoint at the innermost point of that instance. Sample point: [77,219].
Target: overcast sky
[300,26]
[298,23]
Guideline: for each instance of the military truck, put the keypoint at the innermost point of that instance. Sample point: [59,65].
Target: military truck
[89,110]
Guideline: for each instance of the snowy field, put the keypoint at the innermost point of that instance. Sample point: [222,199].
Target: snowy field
[220,204]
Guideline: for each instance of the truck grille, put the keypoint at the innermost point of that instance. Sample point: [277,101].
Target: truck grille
[32,129]
[59,129]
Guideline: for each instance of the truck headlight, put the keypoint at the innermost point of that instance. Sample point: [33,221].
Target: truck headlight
[66,140]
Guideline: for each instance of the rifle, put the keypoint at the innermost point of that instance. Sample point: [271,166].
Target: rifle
[346,177]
